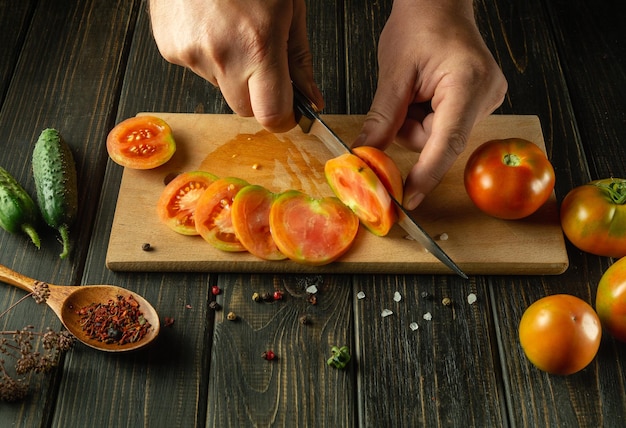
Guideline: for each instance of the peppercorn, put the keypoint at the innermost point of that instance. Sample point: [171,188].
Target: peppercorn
[267,297]
[214,305]
[278,295]
[146,246]
[426,295]
[256,297]
[304,319]
[446,301]
[312,299]
[231,316]
[215,290]
[268,355]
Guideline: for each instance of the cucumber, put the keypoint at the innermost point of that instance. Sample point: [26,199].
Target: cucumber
[55,179]
[18,212]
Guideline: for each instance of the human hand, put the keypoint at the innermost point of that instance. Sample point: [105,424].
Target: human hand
[436,80]
[251,50]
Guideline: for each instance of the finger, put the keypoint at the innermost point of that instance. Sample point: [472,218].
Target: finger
[452,123]
[271,95]
[388,110]
[236,94]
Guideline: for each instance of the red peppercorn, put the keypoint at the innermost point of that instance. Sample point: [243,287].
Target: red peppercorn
[268,355]
[216,290]
[278,295]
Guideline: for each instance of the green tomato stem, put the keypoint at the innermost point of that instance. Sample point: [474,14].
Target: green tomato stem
[616,191]
[511,159]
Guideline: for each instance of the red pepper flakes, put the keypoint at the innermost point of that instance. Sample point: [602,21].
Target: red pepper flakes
[117,321]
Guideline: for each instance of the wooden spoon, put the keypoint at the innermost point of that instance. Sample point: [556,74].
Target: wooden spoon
[66,300]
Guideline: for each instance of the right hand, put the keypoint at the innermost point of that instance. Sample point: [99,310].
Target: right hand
[252,51]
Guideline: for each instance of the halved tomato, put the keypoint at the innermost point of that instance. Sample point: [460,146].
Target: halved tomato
[177,204]
[384,167]
[358,186]
[141,142]
[251,221]
[312,231]
[213,214]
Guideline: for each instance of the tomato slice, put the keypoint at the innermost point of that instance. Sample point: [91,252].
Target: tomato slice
[177,204]
[251,221]
[213,214]
[384,167]
[312,231]
[357,186]
[141,142]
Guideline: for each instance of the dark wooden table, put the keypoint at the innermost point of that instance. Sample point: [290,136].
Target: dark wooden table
[82,66]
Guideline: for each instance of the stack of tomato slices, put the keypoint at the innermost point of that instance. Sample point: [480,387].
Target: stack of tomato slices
[234,215]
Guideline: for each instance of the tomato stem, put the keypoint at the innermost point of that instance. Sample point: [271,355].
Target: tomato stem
[511,159]
[616,191]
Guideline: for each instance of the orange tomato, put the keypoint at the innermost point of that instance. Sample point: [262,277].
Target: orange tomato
[560,334]
[358,186]
[611,299]
[177,204]
[508,179]
[593,217]
[312,231]
[251,221]
[384,167]
[141,142]
[213,214]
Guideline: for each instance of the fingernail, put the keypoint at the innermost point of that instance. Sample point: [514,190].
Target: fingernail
[413,201]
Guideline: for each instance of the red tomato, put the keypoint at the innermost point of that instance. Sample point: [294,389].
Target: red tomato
[213,214]
[177,204]
[560,334]
[593,217]
[251,221]
[141,142]
[384,167]
[357,186]
[611,300]
[509,179]
[312,231]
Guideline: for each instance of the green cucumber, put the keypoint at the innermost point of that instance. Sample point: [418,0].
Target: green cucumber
[18,212]
[55,179]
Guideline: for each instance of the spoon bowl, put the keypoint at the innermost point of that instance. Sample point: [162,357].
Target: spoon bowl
[67,300]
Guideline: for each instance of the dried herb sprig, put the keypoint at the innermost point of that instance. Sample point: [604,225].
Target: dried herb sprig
[20,347]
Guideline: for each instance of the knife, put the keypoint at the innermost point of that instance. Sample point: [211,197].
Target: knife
[309,120]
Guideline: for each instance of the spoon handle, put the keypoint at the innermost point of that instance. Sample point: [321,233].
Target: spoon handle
[17,279]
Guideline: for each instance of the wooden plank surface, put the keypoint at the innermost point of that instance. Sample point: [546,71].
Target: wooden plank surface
[228,145]
[464,367]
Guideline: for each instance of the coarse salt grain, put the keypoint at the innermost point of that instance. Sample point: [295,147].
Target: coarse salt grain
[471,298]
[443,236]
[428,316]
[413,326]
[311,289]
[385,313]
[360,295]
[397,296]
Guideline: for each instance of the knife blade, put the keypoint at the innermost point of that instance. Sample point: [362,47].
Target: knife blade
[309,120]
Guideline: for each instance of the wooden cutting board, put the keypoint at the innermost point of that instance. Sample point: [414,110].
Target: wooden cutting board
[229,145]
